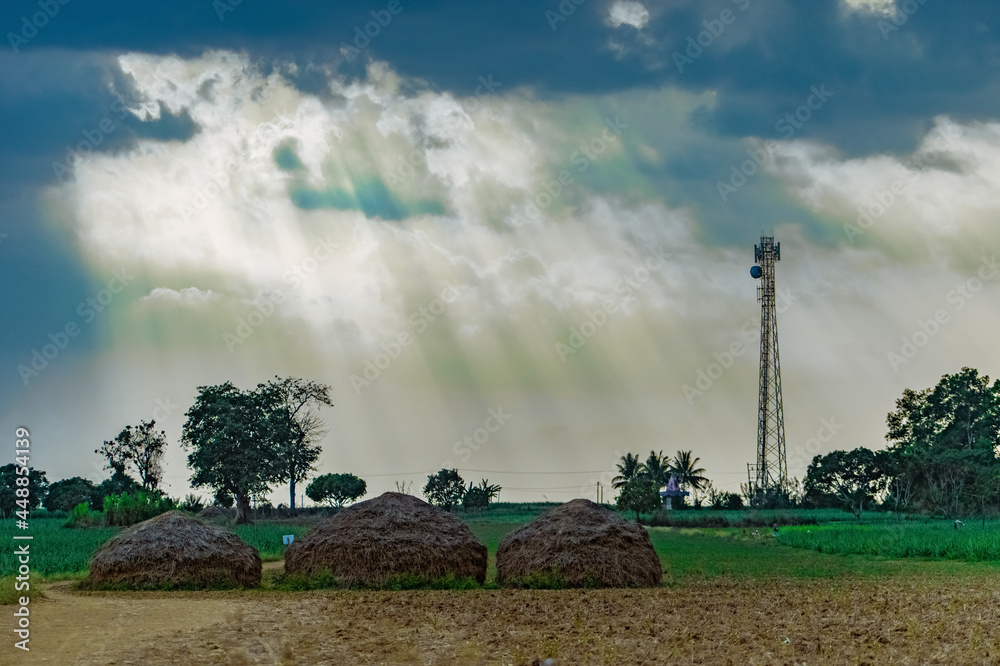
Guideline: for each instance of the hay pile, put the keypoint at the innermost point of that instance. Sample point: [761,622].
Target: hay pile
[214,513]
[579,544]
[391,536]
[175,550]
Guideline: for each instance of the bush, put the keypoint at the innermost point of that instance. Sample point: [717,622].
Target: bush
[128,509]
[83,516]
[45,513]
[192,503]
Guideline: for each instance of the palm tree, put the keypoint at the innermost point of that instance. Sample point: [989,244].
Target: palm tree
[628,469]
[657,468]
[684,468]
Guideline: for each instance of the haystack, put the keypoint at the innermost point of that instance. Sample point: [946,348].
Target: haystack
[176,550]
[579,544]
[393,535]
[214,513]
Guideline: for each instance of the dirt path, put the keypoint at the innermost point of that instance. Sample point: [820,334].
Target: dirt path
[69,627]
[948,620]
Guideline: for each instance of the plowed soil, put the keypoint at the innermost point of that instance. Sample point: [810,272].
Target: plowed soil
[947,620]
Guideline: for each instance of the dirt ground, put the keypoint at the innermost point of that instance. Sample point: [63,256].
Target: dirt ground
[897,621]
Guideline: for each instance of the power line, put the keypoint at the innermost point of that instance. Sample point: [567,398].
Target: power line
[485,471]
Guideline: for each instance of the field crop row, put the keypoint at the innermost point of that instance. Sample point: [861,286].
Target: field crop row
[939,539]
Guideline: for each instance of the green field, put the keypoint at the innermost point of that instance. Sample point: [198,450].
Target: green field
[973,542]
[54,550]
[877,546]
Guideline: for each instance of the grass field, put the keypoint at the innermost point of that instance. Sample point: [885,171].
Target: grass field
[973,542]
[54,550]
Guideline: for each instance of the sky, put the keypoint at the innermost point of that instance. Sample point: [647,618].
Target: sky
[513,238]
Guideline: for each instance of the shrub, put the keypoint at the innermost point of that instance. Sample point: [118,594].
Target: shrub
[192,503]
[128,509]
[45,513]
[82,516]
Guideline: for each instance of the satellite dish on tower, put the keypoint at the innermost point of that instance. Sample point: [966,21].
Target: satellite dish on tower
[755,272]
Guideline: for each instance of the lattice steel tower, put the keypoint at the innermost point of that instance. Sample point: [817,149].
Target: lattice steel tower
[771,470]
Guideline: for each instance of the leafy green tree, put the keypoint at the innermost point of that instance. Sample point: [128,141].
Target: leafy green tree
[36,484]
[943,445]
[65,494]
[721,499]
[301,400]
[853,478]
[479,497]
[628,469]
[445,488]
[732,501]
[336,489]
[223,499]
[118,484]
[641,495]
[235,438]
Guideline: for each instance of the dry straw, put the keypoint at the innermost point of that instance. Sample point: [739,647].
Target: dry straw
[391,536]
[215,513]
[579,544]
[175,550]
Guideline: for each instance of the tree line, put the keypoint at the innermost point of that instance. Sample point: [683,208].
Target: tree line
[639,482]
[240,444]
[943,456]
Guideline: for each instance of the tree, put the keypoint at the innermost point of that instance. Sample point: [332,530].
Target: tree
[686,471]
[445,488]
[148,447]
[36,483]
[223,499]
[628,469]
[641,495]
[901,473]
[732,501]
[117,452]
[235,438]
[336,489]
[139,447]
[63,495]
[721,499]
[944,443]
[192,503]
[118,484]
[854,478]
[479,497]
[657,469]
[299,452]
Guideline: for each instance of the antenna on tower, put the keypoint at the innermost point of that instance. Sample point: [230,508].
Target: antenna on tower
[770,473]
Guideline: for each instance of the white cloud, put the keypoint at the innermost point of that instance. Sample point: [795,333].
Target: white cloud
[938,202]
[187,296]
[885,7]
[628,12]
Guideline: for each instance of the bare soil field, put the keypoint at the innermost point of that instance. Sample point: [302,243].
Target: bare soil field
[908,620]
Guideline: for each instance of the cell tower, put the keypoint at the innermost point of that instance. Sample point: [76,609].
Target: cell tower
[771,470]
